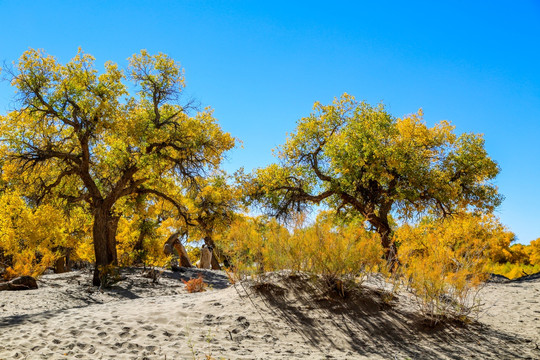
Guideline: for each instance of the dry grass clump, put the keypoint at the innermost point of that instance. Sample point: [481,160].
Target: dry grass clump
[195,285]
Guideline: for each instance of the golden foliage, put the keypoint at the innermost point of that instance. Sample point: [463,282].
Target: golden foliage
[337,252]
[445,262]
[35,237]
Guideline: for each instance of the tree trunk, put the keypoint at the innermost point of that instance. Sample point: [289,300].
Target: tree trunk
[389,247]
[138,248]
[20,283]
[206,258]
[210,243]
[174,242]
[104,234]
[60,265]
[68,259]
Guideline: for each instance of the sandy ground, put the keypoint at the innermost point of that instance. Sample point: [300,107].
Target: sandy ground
[68,319]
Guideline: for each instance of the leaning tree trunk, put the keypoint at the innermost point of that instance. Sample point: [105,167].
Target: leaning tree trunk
[104,234]
[174,242]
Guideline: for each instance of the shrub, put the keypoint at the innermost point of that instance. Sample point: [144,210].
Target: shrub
[444,263]
[340,252]
[195,285]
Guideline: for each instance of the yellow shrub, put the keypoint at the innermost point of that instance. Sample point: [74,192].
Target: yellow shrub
[521,254]
[535,252]
[338,252]
[511,270]
[344,251]
[444,262]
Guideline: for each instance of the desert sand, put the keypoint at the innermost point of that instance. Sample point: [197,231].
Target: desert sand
[287,318]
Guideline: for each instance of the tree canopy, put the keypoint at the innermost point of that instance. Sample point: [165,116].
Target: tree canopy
[81,136]
[359,159]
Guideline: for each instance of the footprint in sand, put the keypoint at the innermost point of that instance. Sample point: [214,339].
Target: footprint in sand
[242,321]
[208,319]
[268,338]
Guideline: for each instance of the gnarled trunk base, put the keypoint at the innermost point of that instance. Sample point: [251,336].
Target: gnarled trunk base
[173,242]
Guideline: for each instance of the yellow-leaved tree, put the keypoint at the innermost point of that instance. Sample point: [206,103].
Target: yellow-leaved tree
[361,160]
[213,205]
[80,136]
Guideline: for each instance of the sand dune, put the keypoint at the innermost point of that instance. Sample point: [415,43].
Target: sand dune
[68,319]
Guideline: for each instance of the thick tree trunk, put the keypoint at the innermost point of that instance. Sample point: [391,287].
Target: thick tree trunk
[206,258]
[104,233]
[210,243]
[60,265]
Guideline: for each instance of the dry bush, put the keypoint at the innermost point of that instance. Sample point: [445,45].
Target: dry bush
[195,285]
[341,253]
[444,264]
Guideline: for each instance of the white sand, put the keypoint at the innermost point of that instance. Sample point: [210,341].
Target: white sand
[68,319]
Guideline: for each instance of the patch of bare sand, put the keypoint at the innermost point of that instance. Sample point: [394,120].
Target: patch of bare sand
[286,319]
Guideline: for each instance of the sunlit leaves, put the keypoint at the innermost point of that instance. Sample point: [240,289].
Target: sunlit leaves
[358,158]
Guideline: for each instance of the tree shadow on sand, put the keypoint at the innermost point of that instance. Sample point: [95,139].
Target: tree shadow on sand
[364,324]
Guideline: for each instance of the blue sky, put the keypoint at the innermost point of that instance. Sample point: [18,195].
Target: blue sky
[261,65]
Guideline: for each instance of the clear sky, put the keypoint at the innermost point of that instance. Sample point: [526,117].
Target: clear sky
[262,64]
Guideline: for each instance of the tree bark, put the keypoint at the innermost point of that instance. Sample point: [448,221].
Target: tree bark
[206,258]
[104,234]
[60,265]
[210,243]
[174,242]
[389,247]
[138,247]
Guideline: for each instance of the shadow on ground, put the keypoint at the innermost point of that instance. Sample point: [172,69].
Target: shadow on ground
[371,327]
